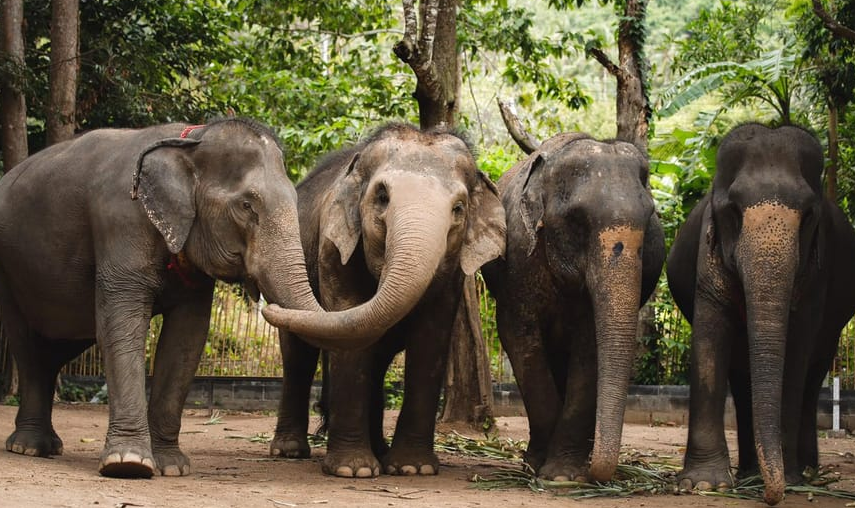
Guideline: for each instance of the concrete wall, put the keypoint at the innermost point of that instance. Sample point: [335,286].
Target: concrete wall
[645,404]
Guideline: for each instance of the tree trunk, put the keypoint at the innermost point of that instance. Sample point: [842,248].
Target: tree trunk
[633,109]
[63,70]
[468,390]
[429,47]
[13,107]
[833,152]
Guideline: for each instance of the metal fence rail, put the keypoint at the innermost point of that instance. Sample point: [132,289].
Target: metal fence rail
[241,343]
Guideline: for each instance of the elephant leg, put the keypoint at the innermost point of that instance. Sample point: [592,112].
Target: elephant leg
[801,338]
[573,437]
[179,347]
[378,401]
[300,362]
[349,447]
[740,389]
[523,343]
[122,318]
[807,451]
[39,361]
[707,462]
[424,371]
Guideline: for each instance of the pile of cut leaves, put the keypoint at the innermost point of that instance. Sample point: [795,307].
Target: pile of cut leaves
[636,474]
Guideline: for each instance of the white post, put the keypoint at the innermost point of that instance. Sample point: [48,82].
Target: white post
[835,399]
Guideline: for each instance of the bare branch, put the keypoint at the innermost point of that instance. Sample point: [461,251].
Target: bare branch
[520,135]
[419,56]
[831,23]
[606,62]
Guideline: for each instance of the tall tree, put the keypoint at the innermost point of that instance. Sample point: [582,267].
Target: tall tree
[64,68]
[429,47]
[633,106]
[13,106]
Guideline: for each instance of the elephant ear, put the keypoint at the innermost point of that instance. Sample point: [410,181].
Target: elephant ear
[343,226]
[531,201]
[486,229]
[166,184]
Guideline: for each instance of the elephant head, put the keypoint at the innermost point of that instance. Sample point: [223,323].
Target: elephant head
[221,199]
[586,208]
[420,209]
[767,210]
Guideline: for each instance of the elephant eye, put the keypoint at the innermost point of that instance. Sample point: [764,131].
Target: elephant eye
[247,205]
[458,209]
[382,195]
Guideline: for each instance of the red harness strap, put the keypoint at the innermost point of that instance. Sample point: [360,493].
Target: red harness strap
[180,266]
[189,129]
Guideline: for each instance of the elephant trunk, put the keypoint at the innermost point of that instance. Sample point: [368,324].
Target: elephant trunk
[416,241]
[615,284]
[766,257]
[276,261]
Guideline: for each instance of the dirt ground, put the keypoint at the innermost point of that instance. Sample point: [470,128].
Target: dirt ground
[231,469]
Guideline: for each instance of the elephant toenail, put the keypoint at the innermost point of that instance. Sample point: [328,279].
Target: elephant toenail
[426,469]
[561,478]
[344,471]
[171,471]
[408,470]
[391,470]
[364,472]
[685,484]
[703,486]
[132,457]
[113,458]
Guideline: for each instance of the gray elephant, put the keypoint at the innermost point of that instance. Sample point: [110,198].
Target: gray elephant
[763,269]
[80,261]
[389,227]
[585,249]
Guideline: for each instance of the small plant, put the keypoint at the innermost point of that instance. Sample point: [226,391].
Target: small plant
[11,400]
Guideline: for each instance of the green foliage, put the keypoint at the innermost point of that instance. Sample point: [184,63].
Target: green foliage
[73,392]
[138,61]
[497,158]
[732,31]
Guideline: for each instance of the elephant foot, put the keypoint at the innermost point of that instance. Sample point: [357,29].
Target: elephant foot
[408,462]
[34,443]
[706,476]
[127,462]
[171,461]
[564,469]
[535,459]
[290,446]
[361,464]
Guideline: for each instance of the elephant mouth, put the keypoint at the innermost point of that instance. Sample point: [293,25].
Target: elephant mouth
[251,288]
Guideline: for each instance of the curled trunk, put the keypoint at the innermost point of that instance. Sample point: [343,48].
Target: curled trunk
[415,246]
[615,284]
[766,258]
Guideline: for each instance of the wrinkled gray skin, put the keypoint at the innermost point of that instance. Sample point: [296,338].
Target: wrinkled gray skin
[763,269]
[585,249]
[389,228]
[80,261]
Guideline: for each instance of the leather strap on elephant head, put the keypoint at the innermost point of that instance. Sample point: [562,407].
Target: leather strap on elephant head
[187,130]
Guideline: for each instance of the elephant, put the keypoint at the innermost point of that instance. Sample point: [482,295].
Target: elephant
[585,249]
[390,227]
[762,268]
[82,261]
